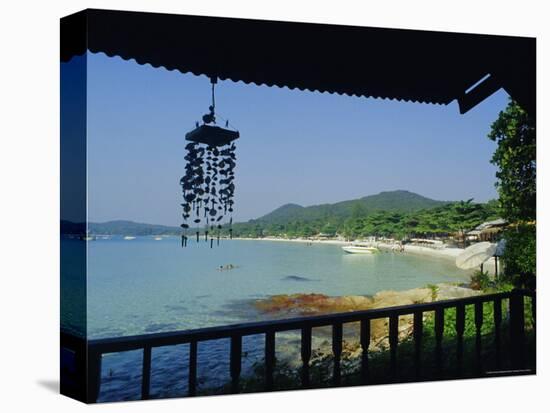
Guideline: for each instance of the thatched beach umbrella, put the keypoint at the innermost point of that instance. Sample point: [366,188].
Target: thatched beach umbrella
[476,255]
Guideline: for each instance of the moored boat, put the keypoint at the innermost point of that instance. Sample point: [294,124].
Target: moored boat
[358,248]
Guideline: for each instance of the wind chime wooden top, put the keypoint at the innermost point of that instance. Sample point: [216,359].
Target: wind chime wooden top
[207,185]
[212,135]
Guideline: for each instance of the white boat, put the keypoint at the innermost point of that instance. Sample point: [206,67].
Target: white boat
[158,238]
[127,237]
[357,248]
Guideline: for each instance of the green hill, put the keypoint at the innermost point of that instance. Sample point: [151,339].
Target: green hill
[392,213]
[121,227]
[391,201]
[396,213]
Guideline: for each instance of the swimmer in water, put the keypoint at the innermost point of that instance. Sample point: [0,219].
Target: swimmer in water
[227,267]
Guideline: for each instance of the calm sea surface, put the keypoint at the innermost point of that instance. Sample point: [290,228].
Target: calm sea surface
[147,286]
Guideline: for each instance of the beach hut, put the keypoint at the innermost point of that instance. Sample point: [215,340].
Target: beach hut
[491,230]
[487,231]
[473,235]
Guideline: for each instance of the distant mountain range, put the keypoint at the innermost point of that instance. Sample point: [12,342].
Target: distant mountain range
[390,201]
[121,227]
[118,227]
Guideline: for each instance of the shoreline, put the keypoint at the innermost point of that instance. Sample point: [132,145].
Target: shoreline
[447,253]
[295,240]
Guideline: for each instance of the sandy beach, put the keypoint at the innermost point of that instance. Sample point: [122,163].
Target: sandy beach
[449,253]
[445,253]
[299,240]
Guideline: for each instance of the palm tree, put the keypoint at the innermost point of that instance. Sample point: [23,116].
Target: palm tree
[467,215]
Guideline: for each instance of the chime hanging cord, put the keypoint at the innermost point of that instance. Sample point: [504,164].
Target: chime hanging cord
[213,97]
[214,80]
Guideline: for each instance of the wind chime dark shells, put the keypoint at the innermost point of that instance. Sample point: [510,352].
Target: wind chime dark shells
[207,185]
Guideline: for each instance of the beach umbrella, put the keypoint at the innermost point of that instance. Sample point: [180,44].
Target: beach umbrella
[475,255]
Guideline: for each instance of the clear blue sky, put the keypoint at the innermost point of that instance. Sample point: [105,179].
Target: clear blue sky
[295,147]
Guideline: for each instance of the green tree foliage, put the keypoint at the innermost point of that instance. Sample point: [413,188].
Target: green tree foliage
[455,217]
[466,215]
[515,158]
[520,254]
[329,229]
[398,201]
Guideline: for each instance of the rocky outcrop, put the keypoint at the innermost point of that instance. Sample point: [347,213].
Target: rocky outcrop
[311,304]
[450,291]
[296,305]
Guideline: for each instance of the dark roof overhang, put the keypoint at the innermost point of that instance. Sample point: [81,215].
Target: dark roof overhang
[408,65]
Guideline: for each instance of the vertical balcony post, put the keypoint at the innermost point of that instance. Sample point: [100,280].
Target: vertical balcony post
[393,338]
[192,368]
[337,351]
[460,322]
[146,373]
[439,326]
[365,342]
[517,328]
[478,311]
[94,375]
[235,362]
[306,355]
[497,317]
[418,327]
[269,359]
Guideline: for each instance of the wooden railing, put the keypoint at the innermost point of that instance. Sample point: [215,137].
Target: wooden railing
[516,327]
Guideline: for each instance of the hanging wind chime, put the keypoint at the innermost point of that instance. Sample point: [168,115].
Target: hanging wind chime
[207,185]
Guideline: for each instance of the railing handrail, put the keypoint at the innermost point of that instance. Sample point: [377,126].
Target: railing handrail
[88,353]
[135,342]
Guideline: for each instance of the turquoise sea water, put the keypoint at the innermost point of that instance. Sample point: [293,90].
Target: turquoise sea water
[145,286]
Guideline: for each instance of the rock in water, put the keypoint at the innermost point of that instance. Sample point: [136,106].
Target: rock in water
[297,278]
